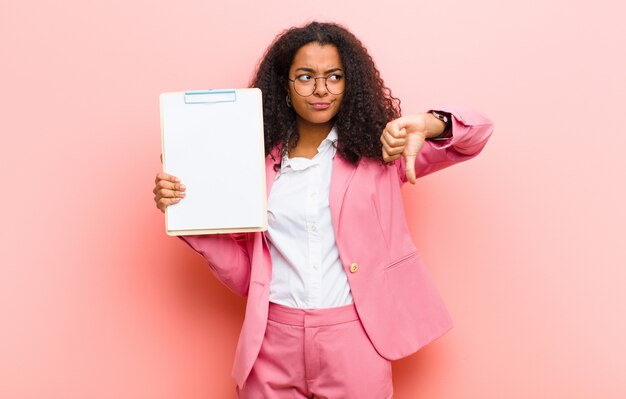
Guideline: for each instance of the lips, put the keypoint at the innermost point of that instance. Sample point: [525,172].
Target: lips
[320,106]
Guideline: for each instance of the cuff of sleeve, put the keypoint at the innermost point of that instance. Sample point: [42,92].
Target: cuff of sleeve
[449,139]
[463,121]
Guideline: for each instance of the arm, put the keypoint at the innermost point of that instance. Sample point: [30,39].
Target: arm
[227,254]
[406,141]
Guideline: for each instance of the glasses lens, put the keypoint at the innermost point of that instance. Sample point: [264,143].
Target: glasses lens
[304,87]
[335,83]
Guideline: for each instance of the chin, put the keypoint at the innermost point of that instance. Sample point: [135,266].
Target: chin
[317,121]
[319,118]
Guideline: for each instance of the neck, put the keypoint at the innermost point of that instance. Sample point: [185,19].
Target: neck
[310,136]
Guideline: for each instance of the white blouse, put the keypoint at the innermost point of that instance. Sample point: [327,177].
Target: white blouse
[306,270]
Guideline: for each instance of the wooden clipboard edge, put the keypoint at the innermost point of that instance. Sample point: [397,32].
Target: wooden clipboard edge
[263,175]
[216,231]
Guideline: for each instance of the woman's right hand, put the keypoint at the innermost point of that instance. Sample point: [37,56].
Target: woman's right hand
[168,190]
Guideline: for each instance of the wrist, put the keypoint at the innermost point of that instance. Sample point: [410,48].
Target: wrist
[440,125]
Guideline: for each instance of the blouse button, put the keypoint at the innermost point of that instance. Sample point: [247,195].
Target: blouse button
[354,268]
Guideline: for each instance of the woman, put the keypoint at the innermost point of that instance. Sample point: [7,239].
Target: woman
[336,288]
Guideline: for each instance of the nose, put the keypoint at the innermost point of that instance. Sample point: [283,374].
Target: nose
[320,87]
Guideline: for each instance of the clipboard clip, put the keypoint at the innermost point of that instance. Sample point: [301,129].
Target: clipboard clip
[210,96]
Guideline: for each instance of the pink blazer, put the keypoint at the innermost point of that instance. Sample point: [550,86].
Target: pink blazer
[397,303]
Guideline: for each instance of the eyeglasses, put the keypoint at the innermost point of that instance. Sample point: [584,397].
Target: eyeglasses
[305,84]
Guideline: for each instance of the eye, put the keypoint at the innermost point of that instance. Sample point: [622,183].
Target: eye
[304,78]
[335,77]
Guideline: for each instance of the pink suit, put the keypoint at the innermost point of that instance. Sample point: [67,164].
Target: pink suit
[396,301]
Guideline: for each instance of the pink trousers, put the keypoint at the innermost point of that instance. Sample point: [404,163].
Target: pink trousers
[317,353]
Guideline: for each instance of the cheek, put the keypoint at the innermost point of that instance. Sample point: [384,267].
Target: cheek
[298,104]
[296,99]
[339,103]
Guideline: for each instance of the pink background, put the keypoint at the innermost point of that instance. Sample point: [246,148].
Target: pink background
[526,242]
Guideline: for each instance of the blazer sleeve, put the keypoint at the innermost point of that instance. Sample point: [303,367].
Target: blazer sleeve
[228,258]
[470,132]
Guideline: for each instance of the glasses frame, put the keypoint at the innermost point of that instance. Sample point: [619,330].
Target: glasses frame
[315,85]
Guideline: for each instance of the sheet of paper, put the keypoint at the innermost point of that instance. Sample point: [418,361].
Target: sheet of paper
[217,150]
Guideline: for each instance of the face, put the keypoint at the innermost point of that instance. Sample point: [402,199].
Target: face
[311,64]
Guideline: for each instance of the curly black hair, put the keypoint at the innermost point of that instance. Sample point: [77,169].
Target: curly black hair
[367,105]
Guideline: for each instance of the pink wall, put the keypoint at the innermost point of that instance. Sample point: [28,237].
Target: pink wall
[526,242]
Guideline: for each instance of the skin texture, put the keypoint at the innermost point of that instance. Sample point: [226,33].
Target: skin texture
[313,124]
[403,136]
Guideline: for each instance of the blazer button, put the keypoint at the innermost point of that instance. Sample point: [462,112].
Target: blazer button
[354,268]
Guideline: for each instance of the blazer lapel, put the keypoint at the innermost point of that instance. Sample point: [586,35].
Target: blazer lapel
[270,175]
[341,175]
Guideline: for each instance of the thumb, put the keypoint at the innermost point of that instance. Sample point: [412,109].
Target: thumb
[414,144]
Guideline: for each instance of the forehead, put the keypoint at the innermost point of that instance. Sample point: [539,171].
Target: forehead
[317,56]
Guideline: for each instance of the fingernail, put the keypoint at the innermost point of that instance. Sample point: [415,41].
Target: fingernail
[181,194]
[183,187]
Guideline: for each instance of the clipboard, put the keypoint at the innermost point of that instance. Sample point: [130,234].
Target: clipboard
[213,141]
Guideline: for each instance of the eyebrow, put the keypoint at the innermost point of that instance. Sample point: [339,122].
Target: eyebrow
[312,70]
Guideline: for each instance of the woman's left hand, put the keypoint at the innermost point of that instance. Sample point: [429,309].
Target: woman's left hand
[405,137]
